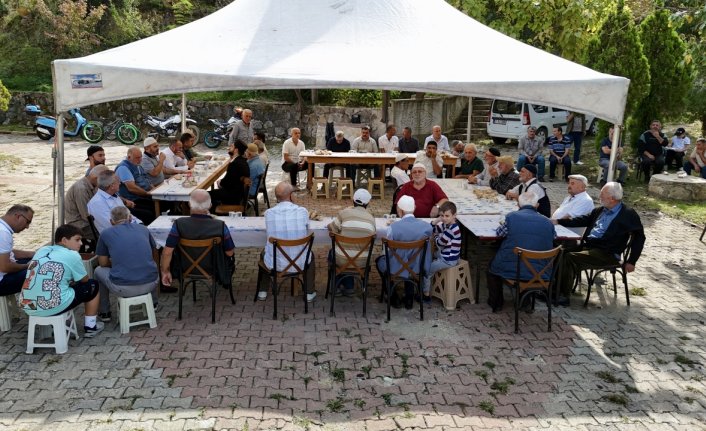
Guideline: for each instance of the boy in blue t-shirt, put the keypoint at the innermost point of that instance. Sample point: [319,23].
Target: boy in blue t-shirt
[57,281]
[447,237]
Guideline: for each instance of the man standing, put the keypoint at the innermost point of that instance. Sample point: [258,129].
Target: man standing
[650,148]
[471,165]
[442,142]
[175,161]
[96,156]
[427,195]
[408,144]
[559,149]
[490,161]
[338,144]
[76,202]
[13,262]
[430,159]
[677,148]
[365,144]
[292,163]
[153,161]
[105,199]
[524,228]
[608,230]
[242,129]
[506,176]
[256,167]
[576,128]
[287,220]
[529,183]
[604,158]
[578,203]
[399,171]
[389,142]
[135,185]
[530,148]
[231,188]
[126,255]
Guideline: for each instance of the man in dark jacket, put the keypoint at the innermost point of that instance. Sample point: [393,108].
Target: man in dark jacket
[650,148]
[231,189]
[608,230]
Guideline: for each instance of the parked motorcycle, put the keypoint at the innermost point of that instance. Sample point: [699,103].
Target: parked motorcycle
[45,126]
[220,133]
[169,127]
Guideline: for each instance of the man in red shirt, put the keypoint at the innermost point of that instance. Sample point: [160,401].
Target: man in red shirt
[427,195]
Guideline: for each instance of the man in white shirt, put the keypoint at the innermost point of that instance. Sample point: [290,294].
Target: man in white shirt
[431,160]
[399,171]
[175,161]
[105,199]
[578,203]
[442,142]
[13,262]
[389,142]
[490,160]
[290,156]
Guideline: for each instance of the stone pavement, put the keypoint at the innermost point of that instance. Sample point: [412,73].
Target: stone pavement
[606,367]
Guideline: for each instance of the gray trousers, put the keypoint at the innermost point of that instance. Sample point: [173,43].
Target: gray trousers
[102,274]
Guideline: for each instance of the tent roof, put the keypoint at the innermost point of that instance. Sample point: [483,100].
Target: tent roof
[414,45]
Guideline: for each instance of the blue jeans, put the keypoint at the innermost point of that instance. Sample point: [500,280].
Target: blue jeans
[622,168]
[539,161]
[437,265]
[11,283]
[688,167]
[577,137]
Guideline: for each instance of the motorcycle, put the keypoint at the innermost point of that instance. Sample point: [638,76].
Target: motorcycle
[168,127]
[45,127]
[220,133]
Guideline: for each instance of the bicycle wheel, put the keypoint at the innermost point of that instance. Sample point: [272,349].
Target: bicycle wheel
[92,132]
[127,134]
[209,141]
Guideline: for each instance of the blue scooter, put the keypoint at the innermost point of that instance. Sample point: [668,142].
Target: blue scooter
[46,126]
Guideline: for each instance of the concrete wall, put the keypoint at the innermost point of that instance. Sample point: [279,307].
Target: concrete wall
[422,115]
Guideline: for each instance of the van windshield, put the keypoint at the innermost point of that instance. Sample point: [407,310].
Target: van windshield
[507,107]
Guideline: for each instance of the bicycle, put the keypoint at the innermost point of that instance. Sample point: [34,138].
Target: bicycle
[125,132]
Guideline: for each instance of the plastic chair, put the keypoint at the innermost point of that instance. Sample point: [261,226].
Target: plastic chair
[315,192]
[124,305]
[523,289]
[407,254]
[453,284]
[339,270]
[592,271]
[380,182]
[5,317]
[64,326]
[341,169]
[343,182]
[293,271]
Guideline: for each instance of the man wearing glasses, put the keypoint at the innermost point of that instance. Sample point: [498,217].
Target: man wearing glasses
[13,262]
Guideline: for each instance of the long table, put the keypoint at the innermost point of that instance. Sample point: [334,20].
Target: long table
[383,159]
[462,194]
[206,173]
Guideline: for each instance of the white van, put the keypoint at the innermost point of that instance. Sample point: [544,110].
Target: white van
[509,120]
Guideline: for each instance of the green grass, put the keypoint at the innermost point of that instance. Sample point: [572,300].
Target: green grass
[638,291]
[616,399]
[6,128]
[607,377]
[336,405]
[487,406]
[683,360]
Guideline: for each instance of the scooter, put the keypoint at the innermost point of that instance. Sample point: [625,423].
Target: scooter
[46,126]
[220,133]
[168,127]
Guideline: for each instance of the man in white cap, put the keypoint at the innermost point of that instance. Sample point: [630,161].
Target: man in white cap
[356,222]
[153,162]
[399,171]
[427,195]
[578,203]
[408,228]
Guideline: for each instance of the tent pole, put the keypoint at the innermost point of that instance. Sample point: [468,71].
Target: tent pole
[615,145]
[183,113]
[470,118]
[59,142]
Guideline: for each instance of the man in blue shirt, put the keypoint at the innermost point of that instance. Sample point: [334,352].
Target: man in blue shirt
[559,148]
[256,166]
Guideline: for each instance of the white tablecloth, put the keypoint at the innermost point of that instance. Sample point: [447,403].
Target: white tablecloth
[485,226]
[461,193]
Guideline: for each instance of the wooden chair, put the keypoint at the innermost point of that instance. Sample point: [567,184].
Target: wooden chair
[592,271]
[224,209]
[405,253]
[293,271]
[540,283]
[203,267]
[338,270]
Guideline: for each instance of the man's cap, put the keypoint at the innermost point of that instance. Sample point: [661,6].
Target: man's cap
[252,148]
[581,178]
[361,197]
[680,131]
[531,168]
[494,151]
[148,141]
[506,160]
[339,133]
[419,165]
[399,157]
[406,204]
[92,150]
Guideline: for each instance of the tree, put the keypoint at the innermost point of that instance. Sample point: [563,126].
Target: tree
[4,97]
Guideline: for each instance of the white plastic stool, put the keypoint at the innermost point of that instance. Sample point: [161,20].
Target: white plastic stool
[453,284]
[64,325]
[124,311]
[90,262]
[5,318]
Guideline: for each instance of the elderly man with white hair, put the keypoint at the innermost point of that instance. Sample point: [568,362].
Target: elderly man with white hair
[578,203]
[506,177]
[608,230]
[427,194]
[76,203]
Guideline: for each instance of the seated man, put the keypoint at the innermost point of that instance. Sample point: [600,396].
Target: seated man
[442,142]
[697,159]
[528,182]
[291,162]
[96,157]
[199,225]
[126,255]
[287,220]
[530,147]
[389,142]
[559,149]
[578,203]
[76,204]
[408,144]
[256,167]
[153,161]
[428,195]
[650,149]
[470,164]
[431,160]
[13,262]
[365,144]
[608,229]
[506,177]
[490,163]
[408,228]
[231,188]
[135,186]
[175,160]
[676,149]
[58,282]
[356,222]
[105,199]
[188,140]
[399,171]
[524,228]
[604,158]
[259,140]
[338,144]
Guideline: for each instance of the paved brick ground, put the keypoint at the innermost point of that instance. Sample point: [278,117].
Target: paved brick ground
[606,367]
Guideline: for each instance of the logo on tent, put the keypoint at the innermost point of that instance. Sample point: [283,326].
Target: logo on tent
[87,80]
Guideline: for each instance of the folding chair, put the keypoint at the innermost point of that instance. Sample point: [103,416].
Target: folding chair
[540,283]
[592,271]
[338,271]
[406,254]
[193,269]
[293,271]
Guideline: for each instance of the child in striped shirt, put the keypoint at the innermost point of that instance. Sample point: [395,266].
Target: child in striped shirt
[447,236]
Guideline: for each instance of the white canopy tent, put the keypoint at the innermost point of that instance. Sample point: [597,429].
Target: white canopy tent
[413,45]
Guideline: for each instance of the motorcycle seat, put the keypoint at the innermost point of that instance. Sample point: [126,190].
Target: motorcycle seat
[161,120]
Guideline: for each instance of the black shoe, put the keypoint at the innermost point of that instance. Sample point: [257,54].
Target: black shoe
[497,309]
[563,301]
[168,289]
[541,179]
[408,303]
[551,179]
[105,317]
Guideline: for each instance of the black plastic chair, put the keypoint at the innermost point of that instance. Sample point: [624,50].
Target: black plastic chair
[338,271]
[592,271]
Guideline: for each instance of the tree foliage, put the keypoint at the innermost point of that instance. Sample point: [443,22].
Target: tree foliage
[125,23]
[4,97]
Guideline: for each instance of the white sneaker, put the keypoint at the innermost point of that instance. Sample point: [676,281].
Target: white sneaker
[261,295]
[310,297]
[579,163]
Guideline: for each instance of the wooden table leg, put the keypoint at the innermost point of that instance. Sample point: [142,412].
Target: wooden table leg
[156,208]
[310,176]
